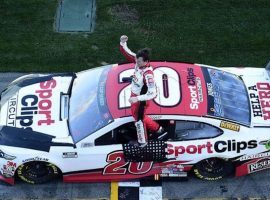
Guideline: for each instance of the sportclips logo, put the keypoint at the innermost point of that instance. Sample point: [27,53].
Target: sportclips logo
[195,89]
[218,147]
[38,103]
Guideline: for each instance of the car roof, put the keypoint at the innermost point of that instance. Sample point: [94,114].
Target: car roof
[183,89]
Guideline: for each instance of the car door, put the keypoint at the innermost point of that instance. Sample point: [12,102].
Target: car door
[192,140]
[103,158]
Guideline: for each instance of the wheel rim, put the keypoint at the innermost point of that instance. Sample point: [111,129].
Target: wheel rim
[212,165]
[36,170]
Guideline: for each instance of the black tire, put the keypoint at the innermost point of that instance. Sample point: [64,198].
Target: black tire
[37,172]
[212,169]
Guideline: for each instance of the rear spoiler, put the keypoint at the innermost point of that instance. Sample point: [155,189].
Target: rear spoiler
[268,68]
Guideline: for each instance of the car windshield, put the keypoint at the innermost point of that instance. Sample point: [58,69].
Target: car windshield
[228,97]
[88,110]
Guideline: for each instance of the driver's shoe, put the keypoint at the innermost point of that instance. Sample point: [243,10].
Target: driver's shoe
[141,145]
[161,133]
[138,144]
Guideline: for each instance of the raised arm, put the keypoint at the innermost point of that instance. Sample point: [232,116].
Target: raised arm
[130,56]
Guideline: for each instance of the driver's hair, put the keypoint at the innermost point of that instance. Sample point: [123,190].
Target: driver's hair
[144,53]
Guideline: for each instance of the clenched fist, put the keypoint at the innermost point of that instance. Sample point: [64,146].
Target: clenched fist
[123,38]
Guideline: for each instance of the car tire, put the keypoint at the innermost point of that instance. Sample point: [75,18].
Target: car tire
[212,169]
[37,172]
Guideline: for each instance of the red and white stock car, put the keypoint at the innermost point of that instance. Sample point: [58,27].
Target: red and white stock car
[79,125]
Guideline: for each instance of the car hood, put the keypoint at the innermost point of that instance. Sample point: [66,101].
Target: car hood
[37,103]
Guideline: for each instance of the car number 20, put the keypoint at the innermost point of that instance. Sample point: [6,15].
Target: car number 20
[118,166]
[168,87]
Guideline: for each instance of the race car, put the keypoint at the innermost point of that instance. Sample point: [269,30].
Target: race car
[78,126]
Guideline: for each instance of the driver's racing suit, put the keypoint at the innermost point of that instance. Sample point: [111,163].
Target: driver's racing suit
[144,88]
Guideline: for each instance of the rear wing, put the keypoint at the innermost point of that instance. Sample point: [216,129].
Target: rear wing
[268,68]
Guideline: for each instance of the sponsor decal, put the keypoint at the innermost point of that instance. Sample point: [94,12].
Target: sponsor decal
[195,89]
[35,159]
[260,100]
[210,89]
[156,117]
[140,132]
[194,101]
[199,175]
[218,147]
[172,169]
[259,165]
[191,76]
[199,88]
[8,170]
[12,110]
[37,104]
[266,143]
[70,155]
[6,156]
[151,81]
[249,157]
[230,126]
[190,149]
[232,145]
[102,90]
[87,145]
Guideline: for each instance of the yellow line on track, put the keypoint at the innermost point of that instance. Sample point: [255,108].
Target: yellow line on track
[114,191]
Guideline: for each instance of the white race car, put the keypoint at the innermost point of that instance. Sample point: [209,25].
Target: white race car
[79,126]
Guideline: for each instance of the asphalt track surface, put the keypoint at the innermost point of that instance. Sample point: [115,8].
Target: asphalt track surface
[251,186]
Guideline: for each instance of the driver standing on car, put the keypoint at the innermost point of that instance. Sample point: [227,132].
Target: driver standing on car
[143,89]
